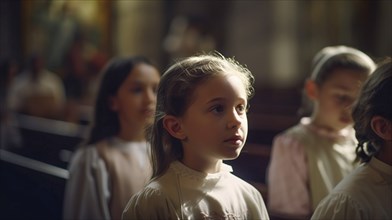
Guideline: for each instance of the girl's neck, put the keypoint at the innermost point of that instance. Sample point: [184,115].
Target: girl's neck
[321,124]
[131,136]
[204,166]
[131,132]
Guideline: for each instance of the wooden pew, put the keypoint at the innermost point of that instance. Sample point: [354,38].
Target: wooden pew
[47,140]
[264,127]
[30,189]
[271,112]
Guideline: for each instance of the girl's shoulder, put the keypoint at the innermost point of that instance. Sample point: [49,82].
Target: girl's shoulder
[150,203]
[293,136]
[241,184]
[297,136]
[84,152]
[240,190]
[86,156]
[298,130]
[151,193]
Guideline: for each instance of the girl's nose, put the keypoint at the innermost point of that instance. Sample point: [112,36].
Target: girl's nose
[150,96]
[235,120]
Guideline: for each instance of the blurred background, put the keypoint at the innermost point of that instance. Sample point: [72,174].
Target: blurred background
[73,39]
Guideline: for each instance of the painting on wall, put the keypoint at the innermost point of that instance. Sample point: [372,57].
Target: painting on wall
[56,27]
[71,36]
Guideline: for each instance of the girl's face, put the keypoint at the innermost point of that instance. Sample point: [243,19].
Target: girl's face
[215,125]
[136,98]
[334,98]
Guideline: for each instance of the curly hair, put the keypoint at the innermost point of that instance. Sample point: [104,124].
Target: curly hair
[375,100]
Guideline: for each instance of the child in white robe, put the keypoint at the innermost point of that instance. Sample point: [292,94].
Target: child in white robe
[367,192]
[310,158]
[114,163]
[201,120]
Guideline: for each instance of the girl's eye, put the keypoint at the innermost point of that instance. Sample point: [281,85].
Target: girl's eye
[343,99]
[242,108]
[217,109]
[136,90]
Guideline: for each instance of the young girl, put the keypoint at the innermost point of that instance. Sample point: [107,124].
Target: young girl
[367,192]
[114,163]
[309,159]
[201,120]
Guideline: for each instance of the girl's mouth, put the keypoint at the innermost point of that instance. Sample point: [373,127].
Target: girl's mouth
[236,140]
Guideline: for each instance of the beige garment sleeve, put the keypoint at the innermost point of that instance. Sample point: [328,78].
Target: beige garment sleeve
[338,206]
[287,178]
[87,189]
[150,204]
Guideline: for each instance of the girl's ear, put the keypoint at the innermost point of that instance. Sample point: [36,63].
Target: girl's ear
[382,127]
[311,89]
[173,126]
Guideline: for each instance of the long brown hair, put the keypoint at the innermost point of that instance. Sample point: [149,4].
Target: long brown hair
[106,122]
[175,92]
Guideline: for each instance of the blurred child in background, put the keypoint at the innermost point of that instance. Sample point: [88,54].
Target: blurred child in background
[309,159]
[114,163]
[367,192]
[37,91]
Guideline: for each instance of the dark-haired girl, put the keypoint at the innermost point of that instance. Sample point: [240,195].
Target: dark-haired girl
[114,163]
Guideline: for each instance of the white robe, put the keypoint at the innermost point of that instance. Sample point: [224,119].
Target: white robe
[306,163]
[94,180]
[183,193]
[365,194]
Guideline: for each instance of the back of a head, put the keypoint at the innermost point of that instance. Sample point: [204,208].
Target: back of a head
[175,94]
[375,100]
